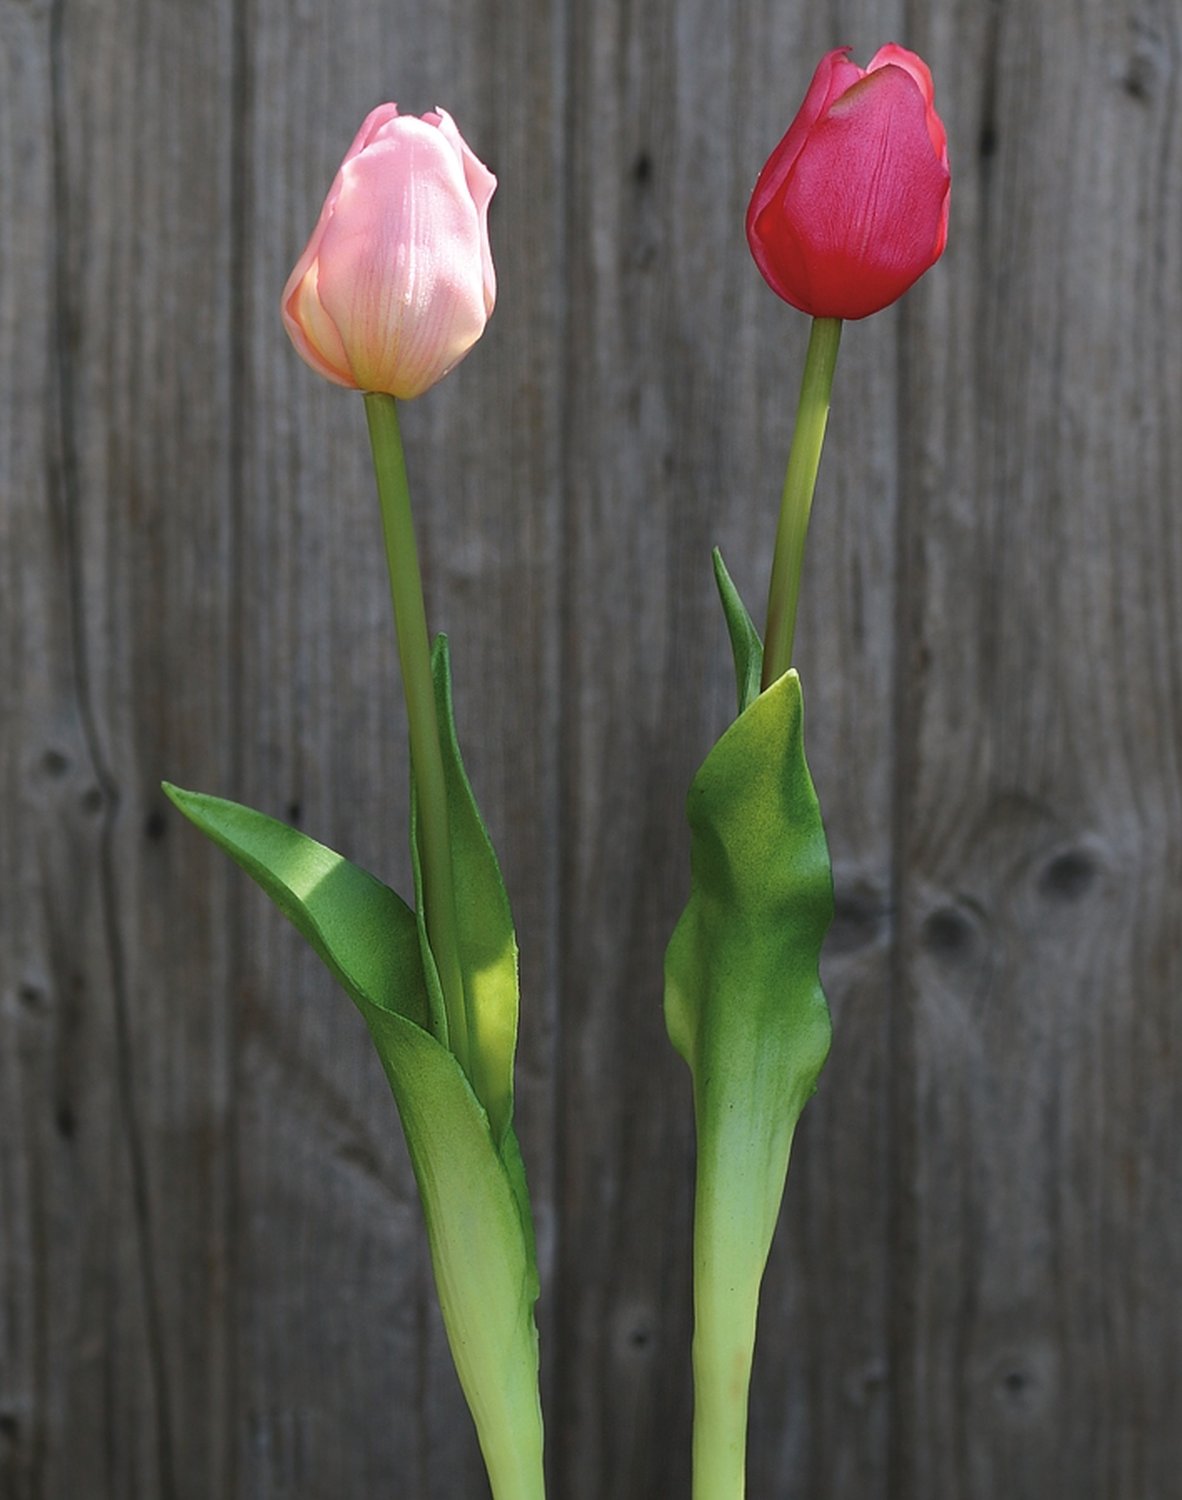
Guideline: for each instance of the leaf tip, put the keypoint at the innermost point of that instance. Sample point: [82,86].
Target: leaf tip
[177,795]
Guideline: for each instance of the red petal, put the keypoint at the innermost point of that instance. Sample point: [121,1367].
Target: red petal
[834,75]
[899,57]
[862,214]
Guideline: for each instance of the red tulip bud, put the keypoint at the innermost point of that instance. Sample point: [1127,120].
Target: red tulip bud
[852,205]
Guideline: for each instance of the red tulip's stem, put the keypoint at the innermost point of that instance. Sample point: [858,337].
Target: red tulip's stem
[804,459]
[414,654]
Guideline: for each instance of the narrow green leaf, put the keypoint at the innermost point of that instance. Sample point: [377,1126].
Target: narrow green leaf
[473,1190]
[744,1007]
[440,1028]
[488,945]
[746,647]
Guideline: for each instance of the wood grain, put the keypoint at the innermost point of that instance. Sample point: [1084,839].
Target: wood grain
[1039,792]
[116,334]
[213,1278]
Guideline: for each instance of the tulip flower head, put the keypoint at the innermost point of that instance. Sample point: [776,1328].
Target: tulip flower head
[852,205]
[397,282]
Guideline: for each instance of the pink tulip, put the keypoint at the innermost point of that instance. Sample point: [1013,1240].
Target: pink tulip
[852,206]
[397,281]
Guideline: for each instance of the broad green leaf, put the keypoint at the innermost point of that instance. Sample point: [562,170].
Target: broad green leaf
[478,1226]
[746,646]
[488,945]
[475,1201]
[744,1007]
[359,927]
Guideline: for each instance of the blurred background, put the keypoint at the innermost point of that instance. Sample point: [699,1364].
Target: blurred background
[213,1276]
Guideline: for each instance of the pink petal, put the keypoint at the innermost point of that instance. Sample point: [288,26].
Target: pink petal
[401,261]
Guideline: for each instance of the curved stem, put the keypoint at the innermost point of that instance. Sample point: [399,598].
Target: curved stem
[414,654]
[804,459]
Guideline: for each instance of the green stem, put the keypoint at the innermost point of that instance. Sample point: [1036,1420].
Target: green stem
[726,1298]
[512,1454]
[812,414]
[414,654]
[734,1221]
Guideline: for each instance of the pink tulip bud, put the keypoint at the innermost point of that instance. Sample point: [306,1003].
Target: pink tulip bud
[397,281]
[852,205]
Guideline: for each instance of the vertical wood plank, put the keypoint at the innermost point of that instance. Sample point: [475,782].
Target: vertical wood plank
[50,846]
[629,721]
[684,371]
[345,1380]
[1041,798]
[116,337]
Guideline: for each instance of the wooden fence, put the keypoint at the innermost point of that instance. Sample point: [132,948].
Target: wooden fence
[213,1282]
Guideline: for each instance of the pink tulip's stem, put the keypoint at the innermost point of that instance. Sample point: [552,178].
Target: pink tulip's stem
[414,654]
[812,415]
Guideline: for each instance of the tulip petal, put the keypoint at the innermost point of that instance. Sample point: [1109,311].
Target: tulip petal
[482,185]
[313,332]
[374,127]
[899,57]
[400,262]
[397,281]
[861,216]
[852,206]
[834,74]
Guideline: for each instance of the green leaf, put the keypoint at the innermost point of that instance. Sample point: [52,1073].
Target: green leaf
[476,1208]
[746,646]
[360,928]
[440,1028]
[488,945]
[475,1200]
[744,1007]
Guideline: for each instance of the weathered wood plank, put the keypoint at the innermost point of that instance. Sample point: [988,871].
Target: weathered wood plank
[1037,1341]
[50,844]
[116,331]
[629,723]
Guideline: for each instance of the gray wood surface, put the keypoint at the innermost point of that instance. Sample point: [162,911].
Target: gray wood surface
[213,1279]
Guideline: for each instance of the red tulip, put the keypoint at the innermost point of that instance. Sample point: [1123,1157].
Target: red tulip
[852,205]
